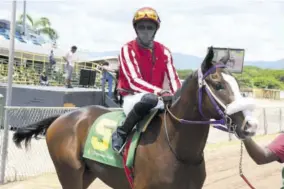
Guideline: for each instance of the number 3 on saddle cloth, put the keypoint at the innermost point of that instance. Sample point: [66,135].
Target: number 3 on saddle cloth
[98,145]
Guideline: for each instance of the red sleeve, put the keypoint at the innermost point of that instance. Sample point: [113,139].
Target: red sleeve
[132,72]
[277,147]
[174,80]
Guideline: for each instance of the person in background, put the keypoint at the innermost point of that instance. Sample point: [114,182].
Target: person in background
[273,152]
[52,61]
[69,65]
[107,76]
[43,79]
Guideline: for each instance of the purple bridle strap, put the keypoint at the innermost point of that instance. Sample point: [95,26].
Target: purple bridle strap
[202,122]
[216,123]
[183,121]
[200,92]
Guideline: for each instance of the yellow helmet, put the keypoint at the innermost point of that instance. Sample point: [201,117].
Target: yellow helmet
[146,13]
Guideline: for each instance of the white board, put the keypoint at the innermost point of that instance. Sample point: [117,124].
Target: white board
[236,58]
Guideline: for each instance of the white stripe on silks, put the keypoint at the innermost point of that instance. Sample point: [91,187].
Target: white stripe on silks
[166,83]
[128,79]
[135,62]
[171,70]
[156,90]
[133,72]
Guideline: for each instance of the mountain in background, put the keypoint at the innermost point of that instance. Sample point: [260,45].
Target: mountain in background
[184,61]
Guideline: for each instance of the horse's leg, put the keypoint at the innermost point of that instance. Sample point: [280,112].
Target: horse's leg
[69,177]
[88,178]
[64,148]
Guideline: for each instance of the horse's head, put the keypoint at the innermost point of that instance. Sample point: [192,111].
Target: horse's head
[222,98]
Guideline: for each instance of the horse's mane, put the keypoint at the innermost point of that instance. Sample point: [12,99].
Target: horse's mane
[184,84]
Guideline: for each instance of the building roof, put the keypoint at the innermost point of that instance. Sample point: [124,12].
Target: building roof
[97,59]
[39,51]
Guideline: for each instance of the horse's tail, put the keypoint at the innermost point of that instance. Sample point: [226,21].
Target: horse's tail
[26,133]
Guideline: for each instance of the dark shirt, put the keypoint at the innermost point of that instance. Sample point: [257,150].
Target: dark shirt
[43,78]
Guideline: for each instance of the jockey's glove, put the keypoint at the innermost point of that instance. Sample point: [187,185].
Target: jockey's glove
[166,96]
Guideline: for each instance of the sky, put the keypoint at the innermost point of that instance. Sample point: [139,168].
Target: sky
[188,26]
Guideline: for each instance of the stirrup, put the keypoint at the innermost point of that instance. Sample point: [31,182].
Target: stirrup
[120,151]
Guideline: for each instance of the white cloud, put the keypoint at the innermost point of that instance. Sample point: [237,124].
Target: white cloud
[187,26]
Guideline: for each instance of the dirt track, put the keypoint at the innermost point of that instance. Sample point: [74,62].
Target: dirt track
[222,162]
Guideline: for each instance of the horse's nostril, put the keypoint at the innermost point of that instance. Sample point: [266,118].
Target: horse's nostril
[250,128]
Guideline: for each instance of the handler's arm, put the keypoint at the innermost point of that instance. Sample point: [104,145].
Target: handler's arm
[260,155]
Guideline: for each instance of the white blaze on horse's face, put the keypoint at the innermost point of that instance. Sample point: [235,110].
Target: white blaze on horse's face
[240,104]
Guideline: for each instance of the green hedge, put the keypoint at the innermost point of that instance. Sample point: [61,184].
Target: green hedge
[253,77]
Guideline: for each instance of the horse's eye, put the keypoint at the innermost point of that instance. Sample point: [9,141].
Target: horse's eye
[219,86]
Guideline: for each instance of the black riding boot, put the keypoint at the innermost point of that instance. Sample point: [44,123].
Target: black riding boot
[120,135]
[141,109]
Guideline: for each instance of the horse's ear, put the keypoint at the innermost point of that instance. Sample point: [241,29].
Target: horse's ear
[207,62]
[225,58]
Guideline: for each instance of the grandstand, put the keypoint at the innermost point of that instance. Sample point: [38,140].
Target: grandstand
[32,56]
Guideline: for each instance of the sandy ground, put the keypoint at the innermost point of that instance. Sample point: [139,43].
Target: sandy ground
[23,164]
[222,162]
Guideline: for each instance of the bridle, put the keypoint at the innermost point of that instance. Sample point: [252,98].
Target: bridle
[225,123]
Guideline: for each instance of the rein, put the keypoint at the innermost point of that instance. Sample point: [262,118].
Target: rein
[241,169]
[171,148]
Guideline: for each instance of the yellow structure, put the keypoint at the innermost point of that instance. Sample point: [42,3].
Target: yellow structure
[267,93]
[28,67]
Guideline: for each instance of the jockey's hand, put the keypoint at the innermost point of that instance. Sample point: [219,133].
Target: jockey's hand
[167,96]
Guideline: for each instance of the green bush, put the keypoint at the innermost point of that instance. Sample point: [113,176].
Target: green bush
[253,76]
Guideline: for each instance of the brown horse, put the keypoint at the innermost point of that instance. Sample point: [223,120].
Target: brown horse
[170,152]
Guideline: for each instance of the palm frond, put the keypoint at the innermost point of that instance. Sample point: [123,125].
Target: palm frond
[30,19]
[52,34]
[42,22]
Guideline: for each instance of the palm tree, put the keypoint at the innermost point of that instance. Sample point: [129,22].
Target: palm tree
[21,19]
[42,25]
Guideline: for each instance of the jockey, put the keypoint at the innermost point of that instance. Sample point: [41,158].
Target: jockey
[146,72]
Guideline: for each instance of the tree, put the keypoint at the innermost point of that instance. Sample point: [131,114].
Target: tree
[253,77]
[40,26]
[184,73]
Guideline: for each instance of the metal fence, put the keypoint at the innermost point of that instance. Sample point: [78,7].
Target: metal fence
[22,164]
[19,164]
[270,119]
